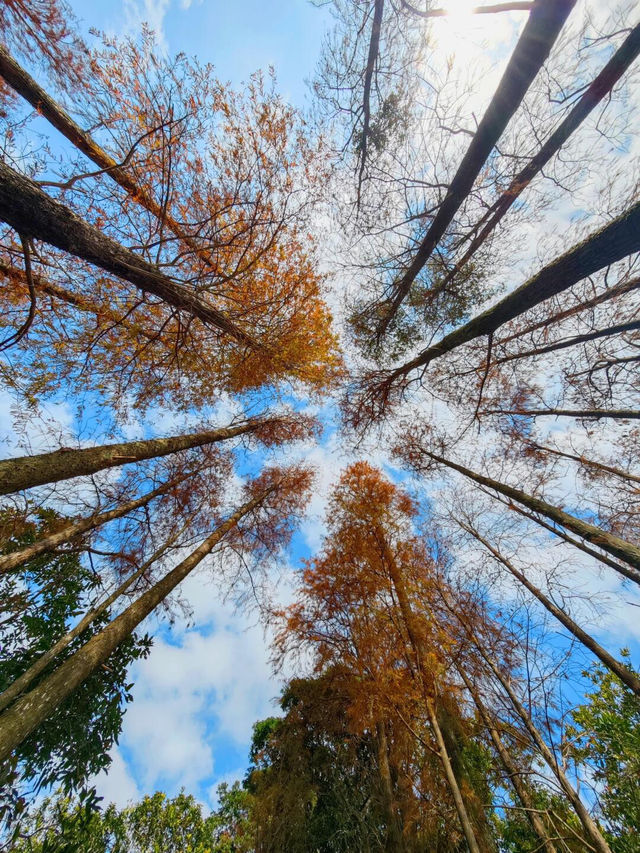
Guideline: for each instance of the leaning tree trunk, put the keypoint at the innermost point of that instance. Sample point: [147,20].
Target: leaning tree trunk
[627,571]
[515,777]
[25,472]
[598,89]
[418,655]
[615,666]
[614,545]
[586,414]
[538,36]
[31,709]
[40,664]
[32,213]
[84,525]
[615,241]
[26,86]
[589,825]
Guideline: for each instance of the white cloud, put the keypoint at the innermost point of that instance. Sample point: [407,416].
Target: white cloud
[117,785]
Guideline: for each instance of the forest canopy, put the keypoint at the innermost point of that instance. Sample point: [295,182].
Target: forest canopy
[358,376]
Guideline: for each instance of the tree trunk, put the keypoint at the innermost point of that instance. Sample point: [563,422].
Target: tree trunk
[538,36]
[511,770]
[33,213]
[394,835]
[428,691]
[70,531]
[587,414]
[31,709]
[607,541]
[590,827]
[23,681]
[589,463]
[615,241]
[46,106]
[601,86]
[627,571]
[25,472]
[619,669]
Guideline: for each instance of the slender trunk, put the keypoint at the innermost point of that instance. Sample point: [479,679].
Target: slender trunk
[31,212]
[586,414]
[589,825]
[23,681]
[394,835]
[610,293]
[617,667]
[515,777]
[607,541]
[600,87]
[465,822]
[25,472]
[538,36]
[28,88]
[31,709]
[70,531]
[615,241]
[589,463]
[428,690]
[627,571]
[607,332]
[495,8]
[372,58]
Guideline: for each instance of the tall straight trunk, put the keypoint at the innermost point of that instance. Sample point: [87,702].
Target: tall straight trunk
[372,58]
[415,643]
[607,295]
[615,241]
[394,835]
[32,213]
[545,21]
[607,332]
[598,89]
[84,525]
[22,82]
[25,472]
[31,709]
[580,414]
[589,825]
[515,777]
[614,545]
[38,666]
[589,463]
[617,667]
[627,571]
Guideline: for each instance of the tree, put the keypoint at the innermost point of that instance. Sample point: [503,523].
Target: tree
[73,743]
[281,492]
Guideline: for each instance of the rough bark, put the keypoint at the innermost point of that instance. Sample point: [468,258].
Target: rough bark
[394,835]
[615,241]
[31,709]
[617,667]
[25,472]
[84,525]
[31,212]
[614,545]
[538,36]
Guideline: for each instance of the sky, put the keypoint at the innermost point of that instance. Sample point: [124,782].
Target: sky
[198,694]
